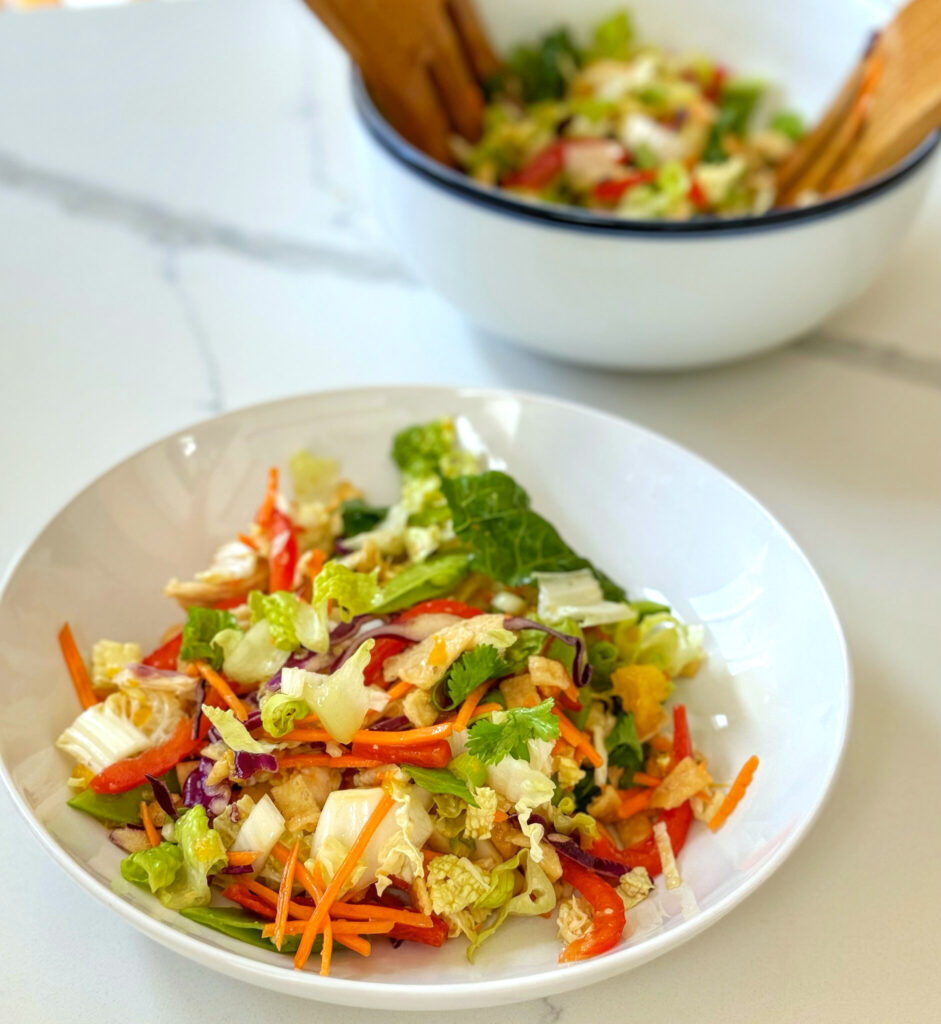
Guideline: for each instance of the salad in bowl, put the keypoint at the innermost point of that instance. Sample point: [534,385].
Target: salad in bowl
[405,723]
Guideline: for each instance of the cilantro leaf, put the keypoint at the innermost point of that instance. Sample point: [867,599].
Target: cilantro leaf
[474,667]
[435,577]
[624,747]
[440,780]
[585,791]
[542,71]
[202,624]
[359,516]
[492,741]
[508,540]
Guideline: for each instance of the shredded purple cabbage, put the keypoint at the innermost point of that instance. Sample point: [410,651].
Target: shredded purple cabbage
[390,724]
[246,763]
[196,791]
[162,796]
[581,670]
[252,722]
[569,847]
[238,869]
[299,659]
[200,695]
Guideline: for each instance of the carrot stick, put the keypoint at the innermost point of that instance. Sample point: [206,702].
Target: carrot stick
[467,708]
[339,879]
[643,779]
[76,667]
[339,928]
[326,948]
[407,737]
[634,801]
[239,858]
[248,541]
[355,942]
[301,873]
[316,562]
[487,709]
[284,895]
[399,690]
[661,743]
[266,509]
[577,739]
[153,836]
[734,796]
[326,761]
[221,687]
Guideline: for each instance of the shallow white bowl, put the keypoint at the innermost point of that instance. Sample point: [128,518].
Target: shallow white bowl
[654,515]
[589,288]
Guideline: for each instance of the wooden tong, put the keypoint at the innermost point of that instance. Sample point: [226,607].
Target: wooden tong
[887,106]
[423,61]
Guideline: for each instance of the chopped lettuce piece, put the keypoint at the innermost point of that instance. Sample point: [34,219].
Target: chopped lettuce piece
[613,37]
[662,640]
[455,883]
[577,596]
[435,577]
[279,711]
[260,831]
[100,736]
[154,868]
[491,740]
[340,700]
[202,625]
[314,479]
[250,657]
[203,855]
[509,541]
[233,732]
[440,780]
[109,657]
[351,592]
[291,620]
[469,768]
[788,123]
[418,450]
[481,814]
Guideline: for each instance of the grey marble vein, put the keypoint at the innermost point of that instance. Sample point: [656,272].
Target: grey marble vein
[170,273]
[169,227]
[881,357]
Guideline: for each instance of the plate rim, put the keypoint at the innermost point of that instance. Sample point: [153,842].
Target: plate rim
[409,995]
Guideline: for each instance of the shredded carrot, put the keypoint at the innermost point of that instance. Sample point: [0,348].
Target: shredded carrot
[239,858]
[76,667]
[339,928]
[499,815]
[376,912]
[326,948]
[284,895]
[221,687]
[316,562]
[249,542]
[429,855]
[467,708]
[266,509]
[153,836]
[643,779]
[734,796]
[633,801]
[326,761]
[487,709]
[661,743]
[439,653]
[355,942]
[577,739]
[408,737]
[301,873]
[399,690]
[339,879]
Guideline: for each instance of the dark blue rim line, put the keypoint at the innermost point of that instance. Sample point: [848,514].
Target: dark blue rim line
[574,217]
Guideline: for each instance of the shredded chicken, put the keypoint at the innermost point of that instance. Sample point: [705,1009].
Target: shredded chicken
[208,591]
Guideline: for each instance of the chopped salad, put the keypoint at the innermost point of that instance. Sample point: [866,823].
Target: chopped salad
[625,127]
[408,723]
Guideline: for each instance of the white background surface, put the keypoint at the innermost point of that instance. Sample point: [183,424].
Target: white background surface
[181,232]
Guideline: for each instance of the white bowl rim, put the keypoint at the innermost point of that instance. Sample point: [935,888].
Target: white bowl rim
[558,215]
[436,996]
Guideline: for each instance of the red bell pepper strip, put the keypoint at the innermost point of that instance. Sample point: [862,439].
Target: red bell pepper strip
[282,559]
[610,191]
[384,647]
[697,196]
[645,854]
[608,921]
[540,170]
[436,935]
[166,655]
[682,742]
[133,771]
[440,606]
[242,895]
[436,754]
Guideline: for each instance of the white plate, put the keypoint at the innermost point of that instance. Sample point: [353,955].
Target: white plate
[777,682]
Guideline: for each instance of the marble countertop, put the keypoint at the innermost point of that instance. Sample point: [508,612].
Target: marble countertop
[182,231]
